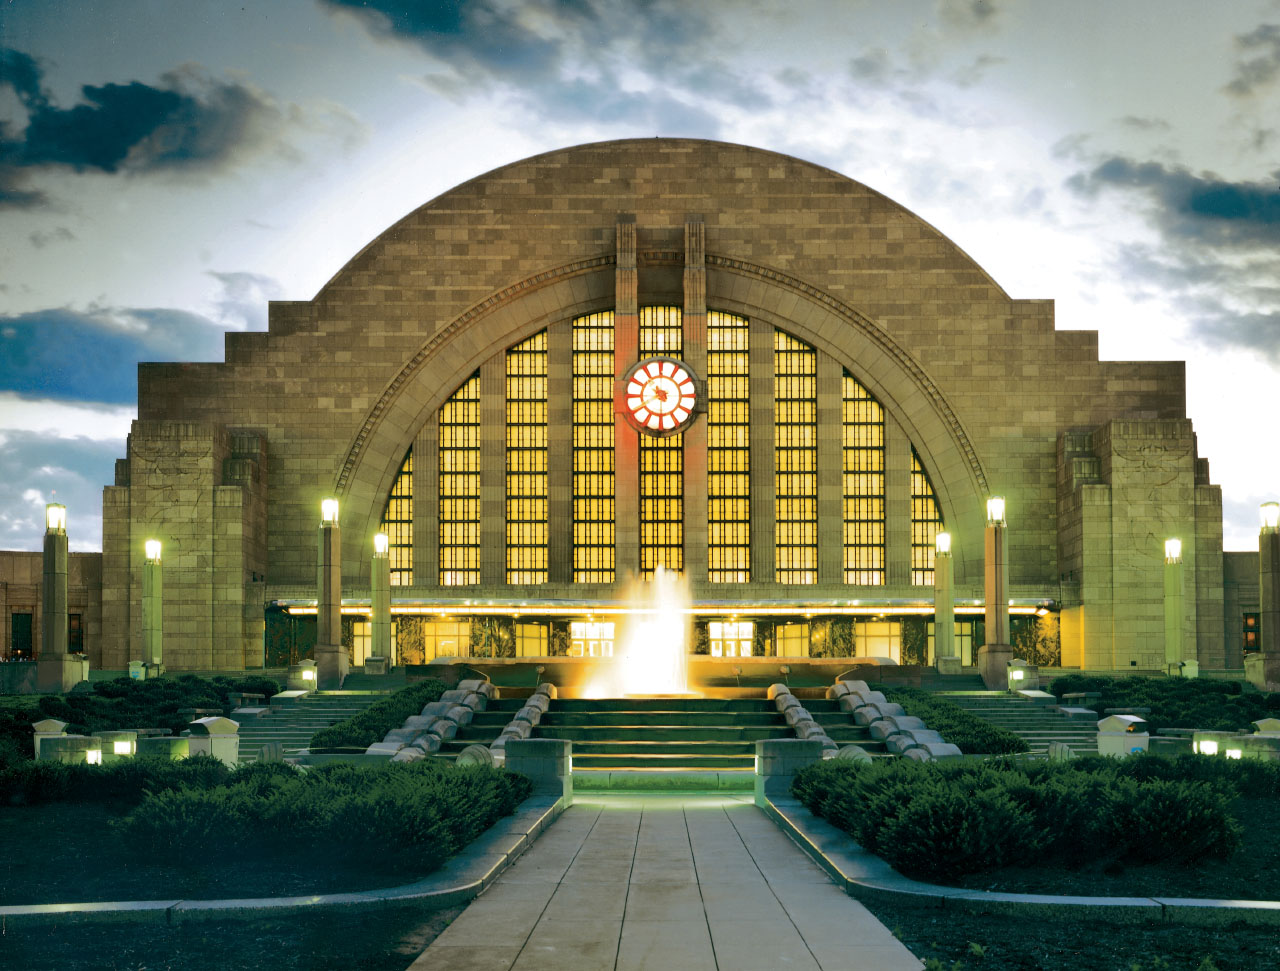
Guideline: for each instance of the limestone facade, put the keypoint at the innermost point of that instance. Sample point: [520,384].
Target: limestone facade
[228,462]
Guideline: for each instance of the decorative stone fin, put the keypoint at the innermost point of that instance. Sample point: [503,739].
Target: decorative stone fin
[122,472]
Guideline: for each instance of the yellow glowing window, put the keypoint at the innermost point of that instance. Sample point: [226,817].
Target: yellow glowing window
[926,523]
[532,640]
[728,449]
[459,515]
[661,460]
[594,496]
[527,461]
[792,640]
[731,638]
[877,638]
[591,638]
[397,523]
[795,392]
[863,475]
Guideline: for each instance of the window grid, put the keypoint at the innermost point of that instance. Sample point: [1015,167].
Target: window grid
[863,475]
[397,523]
[594,483]
[459,486]
[926,523]
[527,461]
[795,369]
[661,460]
[728,449]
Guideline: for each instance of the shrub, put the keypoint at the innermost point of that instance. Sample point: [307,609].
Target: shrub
[32,783]
[371,725]
[1203,703]
[419,813]
[973,735]
[941,820]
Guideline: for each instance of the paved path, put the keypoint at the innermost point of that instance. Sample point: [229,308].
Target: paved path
[670,883]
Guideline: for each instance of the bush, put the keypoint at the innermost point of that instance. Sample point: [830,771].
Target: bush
[942,820]
[32,783]
[422,813]
[371,725]
[1203,703]
[971,734]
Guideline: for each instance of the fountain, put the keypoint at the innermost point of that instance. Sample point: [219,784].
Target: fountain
[651,659]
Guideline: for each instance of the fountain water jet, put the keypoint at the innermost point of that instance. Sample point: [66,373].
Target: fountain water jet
[652,657]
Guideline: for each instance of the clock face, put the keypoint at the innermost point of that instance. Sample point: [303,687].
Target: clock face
[660,395]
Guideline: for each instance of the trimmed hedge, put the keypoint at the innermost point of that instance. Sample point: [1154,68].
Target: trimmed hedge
[1203,703]
[942,820]
[422,813]
[125,703]
[31,783]
[371,725]
[973,735]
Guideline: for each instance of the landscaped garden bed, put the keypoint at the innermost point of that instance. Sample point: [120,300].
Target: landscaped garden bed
[1203,703]
[971,734]
[121,703]
[146,829]
[357,733]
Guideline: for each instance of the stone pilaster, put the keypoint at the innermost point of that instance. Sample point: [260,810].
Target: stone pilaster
[695,437]
[626,330]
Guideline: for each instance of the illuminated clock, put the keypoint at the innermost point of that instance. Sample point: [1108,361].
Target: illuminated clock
[660,395]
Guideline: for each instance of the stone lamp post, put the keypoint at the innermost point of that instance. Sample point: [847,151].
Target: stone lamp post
[152,610]
[379,659]
[54,668]
[1176,662]
[332,663]
[995,654]
[944,617]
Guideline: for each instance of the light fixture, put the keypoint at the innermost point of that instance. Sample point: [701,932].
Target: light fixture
[1235,753]
[329,511]
[1017,674]
[942,542]
[308,675]
[152,547]
[55,517]
[1173,550]
[1270,515]
[93,756]
[995,511]
[380,543]
[1207,746]
[122,747]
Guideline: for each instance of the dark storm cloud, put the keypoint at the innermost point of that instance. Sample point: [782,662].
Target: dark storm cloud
[1219,256]
[1261,63]
[36,468]
[564,60]
[189,122]
[93,355]
[1202,208]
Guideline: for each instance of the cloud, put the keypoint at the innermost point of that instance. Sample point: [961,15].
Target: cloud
[1217,259]
[1203,208]
[242,303]
[190,122]
[1259,71]
[646,65]
[93,355]
[61,234]
[36,469]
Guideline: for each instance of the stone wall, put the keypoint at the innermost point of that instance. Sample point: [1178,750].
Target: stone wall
[343,385]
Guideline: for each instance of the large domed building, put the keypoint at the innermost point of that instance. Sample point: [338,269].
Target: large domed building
[718,361]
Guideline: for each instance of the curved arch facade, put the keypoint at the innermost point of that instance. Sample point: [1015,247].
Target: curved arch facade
[1096,459]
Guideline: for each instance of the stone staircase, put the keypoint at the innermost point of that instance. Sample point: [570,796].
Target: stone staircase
[1036,724]
[680,734]
[293,724]
[485,726]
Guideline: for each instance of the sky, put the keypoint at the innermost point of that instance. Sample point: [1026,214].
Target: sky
[167,168]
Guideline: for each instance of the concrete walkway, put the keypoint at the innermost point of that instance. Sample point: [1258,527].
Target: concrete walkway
[670,882]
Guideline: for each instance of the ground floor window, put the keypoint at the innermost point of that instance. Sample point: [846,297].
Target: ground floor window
[1252,633]
[532,640]
[964,646]
[75,634]
[20,644]
[730,638]
[791,640]
[591,639]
